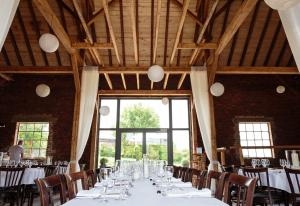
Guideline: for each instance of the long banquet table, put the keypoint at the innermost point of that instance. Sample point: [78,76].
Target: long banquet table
[145,194]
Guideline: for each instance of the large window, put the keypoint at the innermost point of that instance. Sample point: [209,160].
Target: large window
[256,139]
[135,127]
[35,137]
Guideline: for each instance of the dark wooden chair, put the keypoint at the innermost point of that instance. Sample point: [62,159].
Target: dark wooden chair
[72,180]
[92,178]
[245,190]
[182,171]
[200,183]
[220,178]
[188,176]
[50,170]
[264,194]
[46,186]
[11,187]
[293,177]
[176,171]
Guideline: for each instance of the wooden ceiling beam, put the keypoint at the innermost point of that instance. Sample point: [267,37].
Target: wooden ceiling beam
[111,30]
[179,30]
[143,70]
[97,13]
[6,77]
[134,32]
[138,81]
[122,33]
[158,13]
[166,80]
[93,51]
[76,74]
[145,92]
[166,32]
[123,81]
[197,46]
[55,24]
[108,80]
[182,78]
[239,17]
[189,12]
[203,30]
[86,45]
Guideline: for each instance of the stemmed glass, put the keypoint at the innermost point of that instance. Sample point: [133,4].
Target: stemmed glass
[282,163]
[254,163]
[169,172]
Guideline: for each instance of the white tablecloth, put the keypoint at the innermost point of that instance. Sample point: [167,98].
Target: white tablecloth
[278,179]
[29,176]
[145,194]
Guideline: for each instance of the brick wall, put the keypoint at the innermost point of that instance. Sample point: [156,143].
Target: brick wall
[255,97]
[19,102]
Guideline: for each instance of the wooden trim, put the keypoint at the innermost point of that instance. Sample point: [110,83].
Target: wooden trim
[86,45]
[75,132]
[158,13]
[36,70]
[189,12]
[6,77]
[94,136]
[111,31]
[134,32]
[257,70]
[242,13]
[181,22]
[145,92]
[138,81]
[16,48]
[152,84]
[75,72]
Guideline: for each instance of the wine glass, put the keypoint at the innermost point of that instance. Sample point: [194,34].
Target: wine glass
[264,162]
[169,172]
[282,163]
[254,163]
[267,162]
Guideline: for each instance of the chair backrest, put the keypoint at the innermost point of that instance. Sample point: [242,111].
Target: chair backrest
[220,178]
[50,170]
[12,176]
[188,175]
[245,189]
[72,182]
[182,171]
[176,171]
[260,173]
[293,177]
[46,186]
[91,176]
[201,179]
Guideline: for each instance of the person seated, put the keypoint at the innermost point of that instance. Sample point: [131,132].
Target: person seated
[16,152]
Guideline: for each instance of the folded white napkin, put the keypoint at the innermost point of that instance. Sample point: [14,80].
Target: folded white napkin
[182,184]
[195,193]
[88,194]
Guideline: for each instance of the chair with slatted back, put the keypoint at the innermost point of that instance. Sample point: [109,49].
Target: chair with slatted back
[92,178]
[47,185]
[50,170]
[10,183]
[188,175]
[201,179]
[182,171]
[245,189]
[293,176]
[176,171]
[220,178]
[72,180]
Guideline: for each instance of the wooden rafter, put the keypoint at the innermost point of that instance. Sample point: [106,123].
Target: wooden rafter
[197,46]
[180,26]
[123,81]
[89,39]
[6,77]
[167,32]
[122,33]
[134,32]
[145,92]
[111,31]
[85,45]
[108,80]
[138,81]
[201,35]
[152,84]
[189,12]
[240,16]
[166,80]
[182,78]
[97,13]
[158,12]
[76,75]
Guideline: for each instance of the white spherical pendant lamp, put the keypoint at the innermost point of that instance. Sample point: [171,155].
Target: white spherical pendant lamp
[48,42]
[165,101]
[217,89]
[42,90]
[155,73]
[280,89]
[104,110]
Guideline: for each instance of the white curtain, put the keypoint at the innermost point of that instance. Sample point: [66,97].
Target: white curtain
[88,98]
[200,91]
[7,12]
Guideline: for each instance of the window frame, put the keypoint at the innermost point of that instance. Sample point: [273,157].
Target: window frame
[17,134]
[254,120]
[168,130]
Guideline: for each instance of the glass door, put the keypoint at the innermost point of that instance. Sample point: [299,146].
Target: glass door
[157,145]
[131,145]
